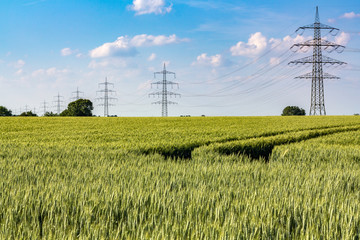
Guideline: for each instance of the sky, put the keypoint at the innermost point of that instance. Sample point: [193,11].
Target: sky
[230,57]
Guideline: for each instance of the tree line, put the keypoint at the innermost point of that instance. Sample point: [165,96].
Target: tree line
[80,107]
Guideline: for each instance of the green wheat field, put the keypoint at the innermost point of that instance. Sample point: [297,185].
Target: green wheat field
[180,178]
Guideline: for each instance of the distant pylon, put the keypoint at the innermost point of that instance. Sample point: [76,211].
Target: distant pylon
[58,103]
[44,106]
[106,98]
[164,93]
[77,94]
[318,60]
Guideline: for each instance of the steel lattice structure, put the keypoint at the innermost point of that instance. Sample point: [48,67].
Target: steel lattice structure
[77,94]
[44,104]
[106,98]
[164,93]
[58,102]
[317,60]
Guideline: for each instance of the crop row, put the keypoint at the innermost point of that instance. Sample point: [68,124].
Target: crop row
[338,148]
[262,147]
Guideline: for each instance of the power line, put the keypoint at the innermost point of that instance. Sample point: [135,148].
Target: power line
[317,60]
[106,98]
[164,93]
[58,103]
[44,107]
[77,94]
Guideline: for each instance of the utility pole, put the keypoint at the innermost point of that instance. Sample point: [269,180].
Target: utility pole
[317,60]
[44,107]
[77,94]
[58,101]
[106,98]
[164,93]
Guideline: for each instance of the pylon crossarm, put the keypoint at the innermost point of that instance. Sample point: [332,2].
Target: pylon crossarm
[329,46]
[155,94]
[317,26]
[157,83]
[310,76]
[158,102]
[172,94]
[310,60]
[170,102]
[164,72]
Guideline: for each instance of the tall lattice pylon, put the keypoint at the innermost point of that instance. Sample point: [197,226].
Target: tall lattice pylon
[164,93]
[318,60]
[77,94]
[106,98]
[59,103]
[44,107]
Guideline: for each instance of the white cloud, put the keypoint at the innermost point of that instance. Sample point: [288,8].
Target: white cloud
[18,64]
[286,42]
[144,85]
[152,57]
[150,6]
[167,63]
[19,72]
[66,52]
[50,72]
[150,40]
[343,38]
[204,59]
[255,45]
[331,20]
[121,47]
[126,47]
[274,61]
[350,15]
[109,62]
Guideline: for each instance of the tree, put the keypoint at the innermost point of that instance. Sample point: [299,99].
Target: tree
[293,110]
[4,112]
[28,114]
[80,107]
[50,114]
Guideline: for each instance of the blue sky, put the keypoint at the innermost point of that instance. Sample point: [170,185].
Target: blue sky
[230,57]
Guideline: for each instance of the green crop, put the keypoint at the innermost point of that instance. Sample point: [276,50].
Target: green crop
[180,178]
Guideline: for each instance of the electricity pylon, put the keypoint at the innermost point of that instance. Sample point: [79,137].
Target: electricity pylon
[318,60]
[43,106]
[58,100]
[164,93]
[106,97]
[77,94]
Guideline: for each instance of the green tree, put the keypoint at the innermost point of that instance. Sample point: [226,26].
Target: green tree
[80,107]
[28,114]
[50,114]
[293,111]
[4,112]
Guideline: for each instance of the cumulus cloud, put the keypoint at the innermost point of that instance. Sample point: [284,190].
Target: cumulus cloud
[152,57]
[204,59]
[350,15]
[274,61]
[66,52]
[343,38]
[255,45]
[50,72]
[108,62]
[126,47]
[18,64]
[286,42]
[121,47]
[150,6]
[150,40]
